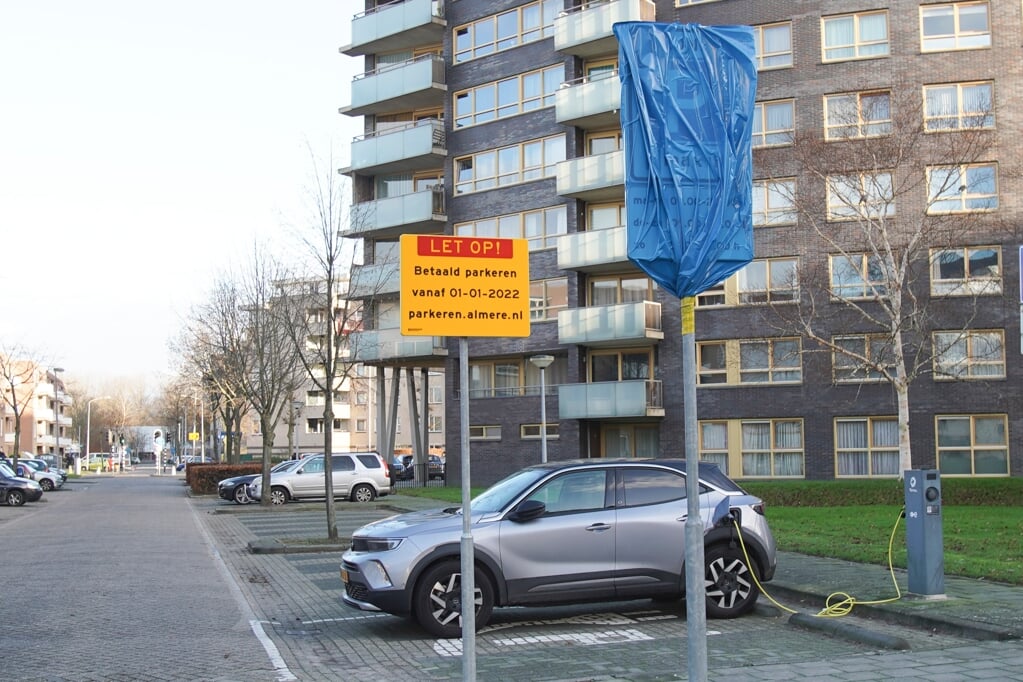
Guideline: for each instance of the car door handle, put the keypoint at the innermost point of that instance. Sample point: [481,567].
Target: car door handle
[598,527]
[682,518]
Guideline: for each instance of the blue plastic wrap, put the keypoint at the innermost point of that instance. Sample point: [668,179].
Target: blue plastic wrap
[688,96]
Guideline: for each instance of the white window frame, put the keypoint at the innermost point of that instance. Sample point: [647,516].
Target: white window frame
[986,281]
[876,193]
[975,447]
[548,11]
[477,113]
[485,432]
[868,122]
[763,136]
[774,202]
[964,116]
[779,59]
[871,449]
[541,227]
[955,189]
[974,360]
[959,38]
[540,308]
[774,450]
[874,347]
[516,170]
[532,431]
[868,288]
[860,47]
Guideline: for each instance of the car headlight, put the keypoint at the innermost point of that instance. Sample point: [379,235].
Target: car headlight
[379,544]
[34,486]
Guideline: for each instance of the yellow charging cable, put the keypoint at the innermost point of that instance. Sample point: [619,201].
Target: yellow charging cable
[838,603]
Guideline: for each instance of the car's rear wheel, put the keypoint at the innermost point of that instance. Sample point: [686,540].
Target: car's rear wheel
[438,600]
[241,494]
[730,586]
[363,493]
[46,484]
[278,495]
[15,498]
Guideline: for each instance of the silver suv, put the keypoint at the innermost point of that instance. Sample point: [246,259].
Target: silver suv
[358,476]
[585,531]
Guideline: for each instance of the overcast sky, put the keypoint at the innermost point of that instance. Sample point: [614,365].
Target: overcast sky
[143,146]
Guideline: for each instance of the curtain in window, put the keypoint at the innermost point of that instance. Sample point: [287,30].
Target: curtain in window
[886,435]
[648,441]
[480,381]
[506,379]
[852,441]
[839,32]
[714,436]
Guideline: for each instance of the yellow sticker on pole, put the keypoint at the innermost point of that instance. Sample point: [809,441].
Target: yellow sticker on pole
[689,315]
[464,286]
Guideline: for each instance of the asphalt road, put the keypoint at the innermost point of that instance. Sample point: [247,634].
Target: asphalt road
[126,577]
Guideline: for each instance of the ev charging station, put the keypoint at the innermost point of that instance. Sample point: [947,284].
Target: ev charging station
[925,555]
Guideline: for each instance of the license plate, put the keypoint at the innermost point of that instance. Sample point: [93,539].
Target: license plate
[344,575]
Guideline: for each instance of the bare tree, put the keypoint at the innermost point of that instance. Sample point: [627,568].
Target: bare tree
[888,195]
[18,369]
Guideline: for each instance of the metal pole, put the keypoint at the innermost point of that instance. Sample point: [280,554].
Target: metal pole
[543,416]
[202,428]
[56,416]
[696,598]
[468,559]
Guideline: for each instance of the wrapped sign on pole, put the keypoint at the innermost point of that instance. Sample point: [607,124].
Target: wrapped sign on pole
[687,123]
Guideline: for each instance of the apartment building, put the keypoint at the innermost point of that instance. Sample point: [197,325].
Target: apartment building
[43,408]
[500,119]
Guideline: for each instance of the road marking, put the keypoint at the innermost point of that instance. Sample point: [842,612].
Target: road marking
[453,647]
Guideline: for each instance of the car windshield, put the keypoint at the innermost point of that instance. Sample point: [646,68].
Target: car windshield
[287,465]
[496,497]
[6,470]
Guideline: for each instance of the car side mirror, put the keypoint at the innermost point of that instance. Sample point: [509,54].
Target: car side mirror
[527,511]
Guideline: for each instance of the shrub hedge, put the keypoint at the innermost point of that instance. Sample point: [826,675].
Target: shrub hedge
[954,491]
[203,478]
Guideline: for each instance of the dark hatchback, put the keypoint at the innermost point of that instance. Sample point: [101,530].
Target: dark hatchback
[15,490]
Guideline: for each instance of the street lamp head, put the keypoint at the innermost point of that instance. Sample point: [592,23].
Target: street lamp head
[297,404]
[58,369]
[542,361]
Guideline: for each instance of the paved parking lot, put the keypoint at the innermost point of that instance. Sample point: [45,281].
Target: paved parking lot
[143,582]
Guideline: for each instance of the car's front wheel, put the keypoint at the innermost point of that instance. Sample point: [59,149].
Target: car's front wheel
[278,495]
[363,493]
[731,589]
[438,600]
[241,494]
[15,498]
[46,484]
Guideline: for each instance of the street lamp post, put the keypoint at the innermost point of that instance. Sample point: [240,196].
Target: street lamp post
[88,425]
[296,406]
[56,416]
[543,362]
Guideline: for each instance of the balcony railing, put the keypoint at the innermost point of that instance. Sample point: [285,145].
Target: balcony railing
[623,324]
[375,279]
[585,30]
[590,102]
[389,345]
[610,399]
[598,177]
[414,84]
[420,212]
[396,26]
[417,146]
[594,251]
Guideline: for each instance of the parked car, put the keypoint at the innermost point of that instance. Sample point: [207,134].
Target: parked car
[49,480]
[236,488]
[436,467]
[401,468]
[16,490]
[358,476]
[585,531]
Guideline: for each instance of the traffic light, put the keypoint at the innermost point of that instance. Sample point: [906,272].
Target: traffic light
[110,437]
[122,440]
[157,434]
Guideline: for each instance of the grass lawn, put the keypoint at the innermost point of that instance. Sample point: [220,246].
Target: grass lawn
[979,541]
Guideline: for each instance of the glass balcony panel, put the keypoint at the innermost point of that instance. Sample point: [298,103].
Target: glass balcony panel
[392,27]
[610,399]
[624,324]
[416,84]
[599,177]
[585,30]
[589,104]
[382,345]
[594,250]
[376,279]
[415,213]
[419,146]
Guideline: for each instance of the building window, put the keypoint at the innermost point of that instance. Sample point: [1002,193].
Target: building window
[541,227]
[971,270]
[973,445]
[772,448]
[341,425]
[605,216]
[619,365]
[436,395]
[526,24]
[716,295]
[485,432]
[547,297]
[761,361]
[969,354]
[504,378]
[714,444]
[857,114]
[955,26]
[509,97]
[619,289]
[858,276]
[768,280]
[361,398]
[436,423]
[532,431]
[855,36]
[774,123]
[869,196]
[360,425]
[773,44]
[774,202]
[860,358]
[867,446]
[525,162]
[962,189]
[956,106]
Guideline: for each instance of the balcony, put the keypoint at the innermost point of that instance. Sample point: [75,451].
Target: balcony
[397,26]
[624,324]
[376,279]
[595,251]
[420,212]
[610,399]
[591,103]
[599,177]
[418,146]
[415,84]
[390,346]
[585,31]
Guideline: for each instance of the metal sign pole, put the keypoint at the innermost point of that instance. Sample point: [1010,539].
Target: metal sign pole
[468,560]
